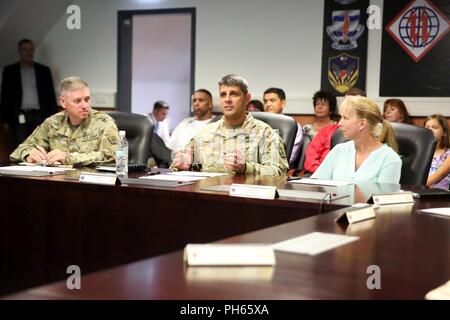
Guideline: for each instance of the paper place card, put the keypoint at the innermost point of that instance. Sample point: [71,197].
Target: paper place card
[229,255]
[231,273]
[440,211]
[253,191]
[391,198]
[356,214]
[197,174]
[394,208]
[313,243]
[99,178]
[440,293]
[320,182]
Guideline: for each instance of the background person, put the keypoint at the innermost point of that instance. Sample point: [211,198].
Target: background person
[255,106]
[324,107]
[395,111]
[202,104]
[274,102]
[160,121]
[28,93]
[439,176]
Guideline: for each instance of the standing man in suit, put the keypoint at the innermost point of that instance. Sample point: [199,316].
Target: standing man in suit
[27,94]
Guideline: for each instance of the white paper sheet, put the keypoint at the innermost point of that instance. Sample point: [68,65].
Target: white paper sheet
[197,174]
[31,169]
[441,211]
[320,182]
[313,243]
[168,177]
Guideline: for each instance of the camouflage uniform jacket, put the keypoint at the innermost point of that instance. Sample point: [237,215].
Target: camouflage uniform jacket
[261,146]
[93,142]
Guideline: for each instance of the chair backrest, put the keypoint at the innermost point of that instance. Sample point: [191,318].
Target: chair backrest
[286,126]
[301,161]
[160,152]
[416,149]
[139,132]
[337,138]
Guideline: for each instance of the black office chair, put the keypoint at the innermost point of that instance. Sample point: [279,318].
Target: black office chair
[160,152]
[337,138]
[416,149]
[286,126]
[139,132]
[301,160]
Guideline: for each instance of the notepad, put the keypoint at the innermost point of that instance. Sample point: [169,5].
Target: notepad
[320,182]
[32,170]
[313,243]
[440,293]
[440,211]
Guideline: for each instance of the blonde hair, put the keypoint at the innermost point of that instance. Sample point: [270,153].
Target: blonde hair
[70,84]
[364,108]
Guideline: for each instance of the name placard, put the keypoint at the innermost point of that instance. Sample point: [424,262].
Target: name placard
[99,178]
[357,214]
[253,191]
[392,198]
[229,255]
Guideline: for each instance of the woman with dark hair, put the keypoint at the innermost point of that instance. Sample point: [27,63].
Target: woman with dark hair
[324,107]
[395,111]
[439,176]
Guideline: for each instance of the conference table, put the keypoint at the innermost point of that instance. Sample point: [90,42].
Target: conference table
[53,222]
[48,223]
[411,250]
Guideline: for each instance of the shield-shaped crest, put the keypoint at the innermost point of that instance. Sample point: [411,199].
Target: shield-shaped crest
[343,72]
[345,29]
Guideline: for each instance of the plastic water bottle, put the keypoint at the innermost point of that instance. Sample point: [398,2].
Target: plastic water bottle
[122,155]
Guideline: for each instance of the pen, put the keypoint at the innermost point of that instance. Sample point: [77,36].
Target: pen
[44,162]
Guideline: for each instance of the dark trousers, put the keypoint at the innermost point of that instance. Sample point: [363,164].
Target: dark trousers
[33,118]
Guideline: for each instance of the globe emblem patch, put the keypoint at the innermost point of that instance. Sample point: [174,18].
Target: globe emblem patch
[418,28]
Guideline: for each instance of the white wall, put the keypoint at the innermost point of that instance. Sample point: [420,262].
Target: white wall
[161,64]
[271,43]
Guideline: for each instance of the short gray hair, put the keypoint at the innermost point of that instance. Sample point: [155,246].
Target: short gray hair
[70,84]
[234,80]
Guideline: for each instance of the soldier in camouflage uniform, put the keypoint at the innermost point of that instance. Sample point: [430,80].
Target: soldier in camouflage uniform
[237,143]
[77,136]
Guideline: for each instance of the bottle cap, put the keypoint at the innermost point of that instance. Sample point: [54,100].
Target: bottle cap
[122,133]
